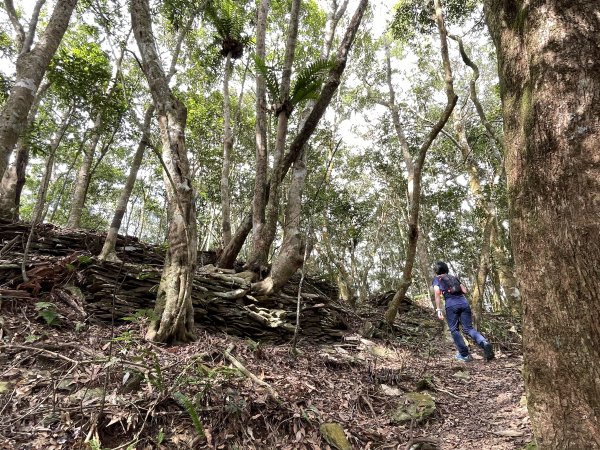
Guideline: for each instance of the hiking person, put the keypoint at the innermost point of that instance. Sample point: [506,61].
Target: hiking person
[457,311]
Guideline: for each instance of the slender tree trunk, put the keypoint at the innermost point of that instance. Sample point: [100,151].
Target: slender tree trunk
[31,67]
[506,271]
[38,210]
[14,177]
[173,302]
[306,130]
[263,242]
[227,147]
[260,180]
[291,255]
[108,250]
[549,68]
[483,267]
[486,225]
[83,175]
[415,196]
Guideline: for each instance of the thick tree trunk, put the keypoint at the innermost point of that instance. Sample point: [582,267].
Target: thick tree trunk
[31,67]
[14,177]
[549,67]
[173,302]
[108,252]
[415,195]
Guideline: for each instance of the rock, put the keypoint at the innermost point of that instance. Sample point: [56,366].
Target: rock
[417,406]
[4,386]
[426,383]
[87,396]
[462,375]
[67,384]
[391,391]
[334,434]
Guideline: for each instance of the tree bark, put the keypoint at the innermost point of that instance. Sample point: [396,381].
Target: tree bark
[307,129]
[31,67]
[291,255]
[227,147]
[173,302]
[415,196]
[108,252]
[260,180]
[83,175]
[262,242]
[549,68]
[14,177]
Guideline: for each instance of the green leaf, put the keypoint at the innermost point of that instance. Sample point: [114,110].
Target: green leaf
[310,80]
[184,401]
[270,77]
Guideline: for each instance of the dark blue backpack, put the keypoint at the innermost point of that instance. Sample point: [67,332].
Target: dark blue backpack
[450,284]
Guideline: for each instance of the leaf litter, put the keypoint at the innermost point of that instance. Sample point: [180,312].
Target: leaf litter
[104,386]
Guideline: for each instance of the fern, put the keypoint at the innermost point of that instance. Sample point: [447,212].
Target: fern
[185,402]
[270,78]
[309,81]
[229,18]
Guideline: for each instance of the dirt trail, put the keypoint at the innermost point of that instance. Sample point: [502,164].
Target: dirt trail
[484,407]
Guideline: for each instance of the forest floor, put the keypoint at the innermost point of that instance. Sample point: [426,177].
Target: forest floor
[65,384]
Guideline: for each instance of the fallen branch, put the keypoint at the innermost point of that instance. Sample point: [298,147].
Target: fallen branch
[41,350]
[451,394]
[238,365]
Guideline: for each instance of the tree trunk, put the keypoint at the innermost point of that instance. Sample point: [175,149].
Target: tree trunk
[291,254]
[37,216]
[173,303]
[483,267]
[293,249]
[83,175]
[260,180]
[549,68]
[108,250]
[262,243]
[307,129]
[31,67]
[14,177]
[504,265]
[227,147]
[415,195]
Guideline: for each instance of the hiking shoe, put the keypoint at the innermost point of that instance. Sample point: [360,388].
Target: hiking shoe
[488,351]
[462,358]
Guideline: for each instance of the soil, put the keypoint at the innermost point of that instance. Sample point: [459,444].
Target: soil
[63,385]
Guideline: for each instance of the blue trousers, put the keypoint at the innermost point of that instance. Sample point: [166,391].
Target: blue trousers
[461,313]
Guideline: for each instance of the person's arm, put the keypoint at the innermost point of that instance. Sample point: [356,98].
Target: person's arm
[464,288]
[438,302]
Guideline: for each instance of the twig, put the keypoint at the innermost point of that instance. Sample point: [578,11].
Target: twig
[368,402]
[42,350]
[451,394]
[246,372]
